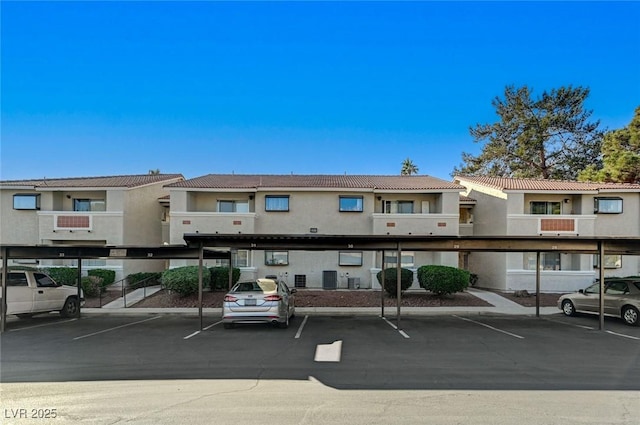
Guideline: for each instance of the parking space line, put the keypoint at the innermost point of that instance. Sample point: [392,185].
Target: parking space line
[623,335]
[117,327]
[304,322]
[192,335]
[490,327]
[589,328]
[43,324]
[212,325]
[400,331]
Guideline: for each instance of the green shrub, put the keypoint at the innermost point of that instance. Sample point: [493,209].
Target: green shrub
[220,277]
[391,279]
[63,275]
[92,286]
[138,280]
[184,280]
[443,280]
[107,276]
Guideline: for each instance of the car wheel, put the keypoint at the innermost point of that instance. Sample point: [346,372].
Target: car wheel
[568,308]
[630,315]
[70,308]
[228,325]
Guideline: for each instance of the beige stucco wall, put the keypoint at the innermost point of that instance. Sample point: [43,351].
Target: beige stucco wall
[17,226]
[319,210]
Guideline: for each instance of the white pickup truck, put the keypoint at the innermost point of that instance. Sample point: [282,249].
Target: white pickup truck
[30,292]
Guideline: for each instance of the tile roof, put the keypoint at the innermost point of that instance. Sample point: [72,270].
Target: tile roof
[256,181]
[106,181]
[505,183]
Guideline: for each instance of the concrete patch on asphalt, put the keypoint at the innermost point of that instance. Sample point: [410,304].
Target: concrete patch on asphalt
[328,352]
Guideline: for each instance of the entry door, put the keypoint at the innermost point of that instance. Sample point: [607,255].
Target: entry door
[47,295]
[19,294]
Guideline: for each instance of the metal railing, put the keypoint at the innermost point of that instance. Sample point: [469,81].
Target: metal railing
[124,288]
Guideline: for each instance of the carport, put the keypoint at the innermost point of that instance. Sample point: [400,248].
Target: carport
[202,246]
[81,252]
[570,244]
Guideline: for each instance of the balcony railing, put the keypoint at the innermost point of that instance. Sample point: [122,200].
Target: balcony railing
[416,224]
[534,224]
[211,222]
[103,225]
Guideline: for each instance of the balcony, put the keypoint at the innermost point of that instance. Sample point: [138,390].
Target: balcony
[72,225]
[535,224]
[211,222]
[416,224]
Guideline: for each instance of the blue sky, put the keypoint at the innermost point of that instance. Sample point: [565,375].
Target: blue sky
[91,88]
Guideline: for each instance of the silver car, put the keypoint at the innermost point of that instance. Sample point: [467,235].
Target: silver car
[621,299]
[259,301]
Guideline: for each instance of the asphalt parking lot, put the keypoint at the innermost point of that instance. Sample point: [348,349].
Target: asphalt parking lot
[441,352]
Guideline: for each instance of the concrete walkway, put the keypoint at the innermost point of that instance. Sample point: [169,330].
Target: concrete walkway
[133,297]
[500,305]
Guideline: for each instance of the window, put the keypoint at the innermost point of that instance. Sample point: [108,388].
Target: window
[276,203]
[276,258]
[26,202]
[351,203]
[350,258]
[16,279]
[240,259]
[610,261]
[617,287]
[539,207]
[42,280]
[89,205]
[398,207]
[407,260]
[548,261]
[608,205]
[233,206]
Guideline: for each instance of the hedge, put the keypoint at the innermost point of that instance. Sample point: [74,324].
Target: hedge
[443,280]
[108,276]
[63,275]
[220,277]
[184,280]
[138,280]
[391,279]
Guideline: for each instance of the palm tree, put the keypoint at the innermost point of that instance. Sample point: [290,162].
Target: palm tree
[408,168]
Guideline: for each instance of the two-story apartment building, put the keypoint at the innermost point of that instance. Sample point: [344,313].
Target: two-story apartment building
[529,207]
[113,210]
[319,204]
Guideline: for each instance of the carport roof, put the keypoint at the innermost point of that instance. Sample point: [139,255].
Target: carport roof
[114,252]
[613,245]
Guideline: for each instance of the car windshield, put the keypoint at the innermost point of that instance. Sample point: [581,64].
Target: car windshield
[593,289]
